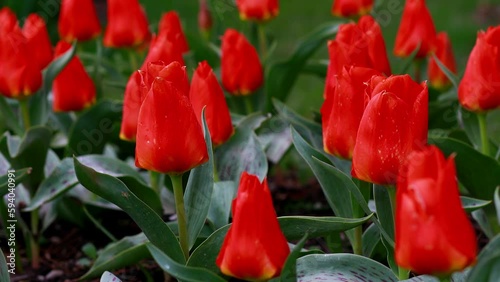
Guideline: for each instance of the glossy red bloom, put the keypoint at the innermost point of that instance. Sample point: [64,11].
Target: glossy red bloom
[351,8]
[416,29]
[204,17]
[359,45]
[342,111]
[78,20]
[241,68]
[169,136]
[254,249]
[20,74]
[164,49]
[444,52]
[171,24]
[479,89]
[433,233]
[36,33]
[73,88]
[394,124]
[127,24]
[206,92]
[258,10]
[139,85]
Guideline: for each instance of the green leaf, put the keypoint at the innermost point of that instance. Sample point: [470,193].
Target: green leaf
[450,75]
[94,128]
[220,206]
[384,208]
[199,190]
[109,277]
[318,68]
[125,252]
[20,175]
[205,254]
[63,177]
[7,114]
[289,271]
[480,174]
[371,239]
[115,191]
[31,151]
[342,267]
[294,227]
[456,277]
[470,124]
[470,204]
[243,152]
[497,203]
[4,272]
[488,263]
[409,61]
[281,76]
[182,272]
[275,137]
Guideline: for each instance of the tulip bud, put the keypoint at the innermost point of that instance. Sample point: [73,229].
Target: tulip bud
[479,89]
[78,20]
[164,49]
[351,8]
[127,24]
[206,92]
[73,88]
[416,29]
[342,111]
[204,17]
[20,74]
[135,92]
[444,52]
[241,69]
[171,24]
[258,10]
[394,124]
[254,249]
[376,44]
[36,33]
[169,137]
[433,234]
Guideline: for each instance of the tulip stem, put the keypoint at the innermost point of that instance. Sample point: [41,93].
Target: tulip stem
[262,41]
[418,70]
[35,249]
[181,212]
[154,179]
[248,104]
[485,143]
[25,112]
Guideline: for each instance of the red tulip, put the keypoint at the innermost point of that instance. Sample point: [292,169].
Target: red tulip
[127,24]
[206,92]
[342,111]
[170,23]
[73,88]
[479,89]
[416,29]
[258,10]
[20,74]
[241,69]
[135,93]
[254,249]
[394,124]
[433,234]
[351,8]
[444,53]
[78,20]
[164,49]
[204,17]
[359,45]
[169,136]
[36,33]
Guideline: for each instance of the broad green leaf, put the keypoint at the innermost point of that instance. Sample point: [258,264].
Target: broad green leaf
[342,267]
[94,128]
[63,177]
[243,152]
[143,192]
[281,76]
[274,136]
[4,271]
[481,218]
[289,271]
[480,174]
[31,151]
[293,227]
[488,263]
[497,203]
[127,251]
[470,204]
[384,208]
[456,277]
[7,114]
[115,191]
[371,239]
[199,190]
[109,277]
[39,104]
[220,206]
[318,68]
[51,163]
[180,271]
[470,124]
[20,175]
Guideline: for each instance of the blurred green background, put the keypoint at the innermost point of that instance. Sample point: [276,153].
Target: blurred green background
[460,18]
